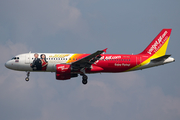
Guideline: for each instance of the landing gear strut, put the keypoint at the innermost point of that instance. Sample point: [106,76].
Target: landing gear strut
[27,78]
[84,79]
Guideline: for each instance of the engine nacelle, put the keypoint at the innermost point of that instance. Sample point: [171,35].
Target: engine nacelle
[63,77]
[63,69]
[63,72]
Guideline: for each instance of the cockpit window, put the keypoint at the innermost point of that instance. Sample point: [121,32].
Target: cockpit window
[14,58]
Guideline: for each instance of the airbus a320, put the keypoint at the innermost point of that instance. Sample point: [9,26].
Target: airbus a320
[70,65]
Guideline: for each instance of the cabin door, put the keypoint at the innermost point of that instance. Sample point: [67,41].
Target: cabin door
[27,59]
[138,60]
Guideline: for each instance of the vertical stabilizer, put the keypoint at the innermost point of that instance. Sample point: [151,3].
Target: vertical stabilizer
[159,45]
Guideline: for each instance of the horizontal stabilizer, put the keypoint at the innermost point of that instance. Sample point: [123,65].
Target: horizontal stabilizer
[160,58]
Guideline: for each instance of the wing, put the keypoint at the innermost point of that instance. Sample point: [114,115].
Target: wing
[87,61]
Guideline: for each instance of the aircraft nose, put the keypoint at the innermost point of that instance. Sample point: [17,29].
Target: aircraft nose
[7,64]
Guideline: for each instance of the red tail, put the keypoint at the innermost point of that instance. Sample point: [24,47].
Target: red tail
[159,45]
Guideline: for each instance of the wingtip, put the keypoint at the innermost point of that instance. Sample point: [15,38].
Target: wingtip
[105,50]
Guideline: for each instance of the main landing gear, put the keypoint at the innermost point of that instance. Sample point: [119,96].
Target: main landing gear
[84,77]
[27,78]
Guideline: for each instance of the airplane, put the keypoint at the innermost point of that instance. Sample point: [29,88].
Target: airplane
[70,65]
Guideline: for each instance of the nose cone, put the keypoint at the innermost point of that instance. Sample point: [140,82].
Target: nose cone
[7,64]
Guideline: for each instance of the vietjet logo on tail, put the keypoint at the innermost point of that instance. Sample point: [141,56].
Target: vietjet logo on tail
[160,40]
[158,43]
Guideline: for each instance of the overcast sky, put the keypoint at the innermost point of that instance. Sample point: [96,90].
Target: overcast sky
[85,26]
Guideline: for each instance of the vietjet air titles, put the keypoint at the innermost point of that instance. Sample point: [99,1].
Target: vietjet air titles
[69,65]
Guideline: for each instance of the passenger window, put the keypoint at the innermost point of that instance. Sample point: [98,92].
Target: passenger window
[69,58]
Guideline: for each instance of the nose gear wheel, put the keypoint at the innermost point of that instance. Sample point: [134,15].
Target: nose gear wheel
[27,78]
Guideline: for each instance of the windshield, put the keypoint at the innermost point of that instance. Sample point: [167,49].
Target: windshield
[14,58]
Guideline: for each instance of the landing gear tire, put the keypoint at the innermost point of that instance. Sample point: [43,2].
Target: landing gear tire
[27,79]
[84,79]
[84,82]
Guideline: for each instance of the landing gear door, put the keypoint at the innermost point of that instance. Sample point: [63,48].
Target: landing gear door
[27,59]
[138,60]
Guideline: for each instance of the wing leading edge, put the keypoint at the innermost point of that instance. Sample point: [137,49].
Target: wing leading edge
[87,61]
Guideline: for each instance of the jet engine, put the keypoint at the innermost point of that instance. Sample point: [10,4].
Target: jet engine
[63,72]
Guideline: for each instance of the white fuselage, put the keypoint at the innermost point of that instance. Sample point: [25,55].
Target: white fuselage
[24,61]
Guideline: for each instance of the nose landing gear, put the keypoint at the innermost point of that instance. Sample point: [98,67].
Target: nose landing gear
[27,78]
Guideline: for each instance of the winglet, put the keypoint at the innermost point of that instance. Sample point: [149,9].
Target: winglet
[105,50]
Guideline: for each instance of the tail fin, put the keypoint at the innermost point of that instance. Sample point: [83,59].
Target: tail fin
[159,45]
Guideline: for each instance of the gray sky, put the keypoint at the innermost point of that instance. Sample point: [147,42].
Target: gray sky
[84,26]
